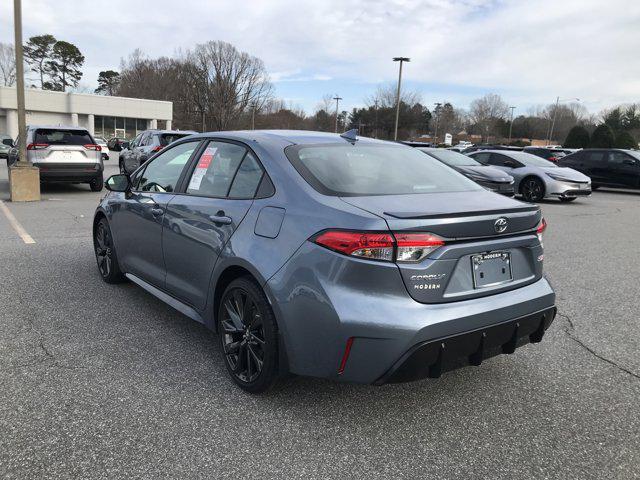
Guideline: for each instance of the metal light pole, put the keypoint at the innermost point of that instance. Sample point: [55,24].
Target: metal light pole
[511,124]
[24,179]
[555,113]
[401,60]
[337,99]
[437,112]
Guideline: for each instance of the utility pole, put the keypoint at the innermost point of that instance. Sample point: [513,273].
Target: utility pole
[511,124]
[24,179]
[555,113]
[437,112]
[401,60]
[337,99]
[253,116]
[375,125]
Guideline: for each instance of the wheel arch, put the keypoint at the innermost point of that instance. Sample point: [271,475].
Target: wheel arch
[536,177]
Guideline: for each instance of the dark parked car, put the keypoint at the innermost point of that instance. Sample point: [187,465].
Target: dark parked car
[117,144]
[328,255]
[490,178]
[550,154]
[607,167]
[146,144]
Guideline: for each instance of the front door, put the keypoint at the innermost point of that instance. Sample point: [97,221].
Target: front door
[140,216]
[200,221]
[625,170]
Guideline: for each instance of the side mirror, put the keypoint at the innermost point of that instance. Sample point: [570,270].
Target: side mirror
[8,142]
[630,161]
[118,183]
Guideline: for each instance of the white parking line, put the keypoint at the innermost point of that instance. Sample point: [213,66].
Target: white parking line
[19,229]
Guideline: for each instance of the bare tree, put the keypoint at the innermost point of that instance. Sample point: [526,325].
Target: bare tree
[385,97]
[486,112]
[233,81]
[7,64]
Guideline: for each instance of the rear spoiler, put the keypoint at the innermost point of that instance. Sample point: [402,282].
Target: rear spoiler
[475,213]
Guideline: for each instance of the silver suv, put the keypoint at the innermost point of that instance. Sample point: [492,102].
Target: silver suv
[63,154]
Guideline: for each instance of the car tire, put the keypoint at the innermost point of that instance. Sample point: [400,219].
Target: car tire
[532,189]
[106,256]
[97,184]
[567,199]
[248,335]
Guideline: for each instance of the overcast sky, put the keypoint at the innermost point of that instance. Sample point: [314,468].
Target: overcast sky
[528,51]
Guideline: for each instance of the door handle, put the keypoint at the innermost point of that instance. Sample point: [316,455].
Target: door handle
[156,212]
[221,218]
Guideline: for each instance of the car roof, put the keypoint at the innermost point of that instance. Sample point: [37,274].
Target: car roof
[57,127]
[293,137]
[172,132]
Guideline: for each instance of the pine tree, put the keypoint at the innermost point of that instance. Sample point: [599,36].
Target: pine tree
[578,137]
[602,137]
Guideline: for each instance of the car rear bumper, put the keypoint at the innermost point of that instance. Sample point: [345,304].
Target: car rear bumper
[430,359]
[322,300]
[69,172]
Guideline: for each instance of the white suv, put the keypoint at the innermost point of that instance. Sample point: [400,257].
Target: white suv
[63,154]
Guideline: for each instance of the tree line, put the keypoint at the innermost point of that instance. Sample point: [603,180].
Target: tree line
[214,86]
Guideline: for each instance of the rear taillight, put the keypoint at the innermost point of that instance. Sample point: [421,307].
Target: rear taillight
[413,247]
[399,247]
[553,159]
[542,226]
[157,149]
[37,146]
[371,245]
[92,146]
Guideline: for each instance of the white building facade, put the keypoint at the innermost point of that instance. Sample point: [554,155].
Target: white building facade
[102,115]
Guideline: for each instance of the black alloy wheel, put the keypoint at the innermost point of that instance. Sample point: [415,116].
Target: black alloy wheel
[532,189]
[248,335]
[106,254]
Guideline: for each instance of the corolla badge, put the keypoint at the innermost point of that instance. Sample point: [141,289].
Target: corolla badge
[501,224]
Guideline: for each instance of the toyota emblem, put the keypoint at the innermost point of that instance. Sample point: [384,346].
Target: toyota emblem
[501,224]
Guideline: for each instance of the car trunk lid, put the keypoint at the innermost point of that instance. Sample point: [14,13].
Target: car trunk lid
[495,232]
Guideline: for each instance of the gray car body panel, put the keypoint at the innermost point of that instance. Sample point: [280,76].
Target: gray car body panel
[321,298]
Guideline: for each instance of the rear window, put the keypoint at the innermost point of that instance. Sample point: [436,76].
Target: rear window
[358,170]
[62,137]
[167,138]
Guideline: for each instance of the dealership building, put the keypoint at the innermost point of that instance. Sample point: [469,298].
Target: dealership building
[102,115]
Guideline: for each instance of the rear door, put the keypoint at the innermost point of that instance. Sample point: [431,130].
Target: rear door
[217,194]
[598,167]
[138,221]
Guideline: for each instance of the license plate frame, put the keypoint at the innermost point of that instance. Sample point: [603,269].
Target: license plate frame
[491,269]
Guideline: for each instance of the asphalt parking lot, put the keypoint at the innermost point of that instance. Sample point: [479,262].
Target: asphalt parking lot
[102,381]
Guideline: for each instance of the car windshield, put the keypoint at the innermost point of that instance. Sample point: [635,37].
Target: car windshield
[358,170]
[634,153]
[62,137]
[100,140]
[531,160]
[452,158]
[167,138]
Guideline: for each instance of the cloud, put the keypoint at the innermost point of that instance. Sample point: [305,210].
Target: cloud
[527,51]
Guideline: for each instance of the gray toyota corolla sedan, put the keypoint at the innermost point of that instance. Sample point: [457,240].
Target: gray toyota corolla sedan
[329,256]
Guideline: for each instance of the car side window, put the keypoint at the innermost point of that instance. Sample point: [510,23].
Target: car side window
[618,158]
[163,172]
[497,160]
[595,157]
[482,157]
[216,169]
[247,178]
